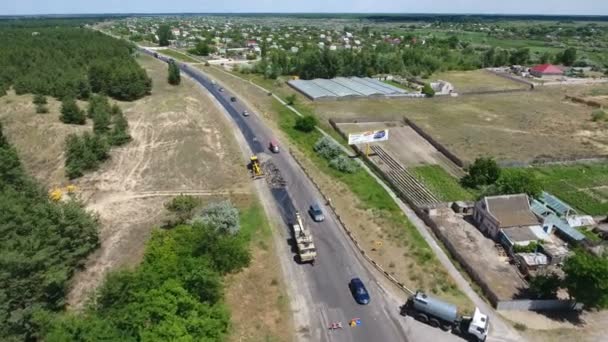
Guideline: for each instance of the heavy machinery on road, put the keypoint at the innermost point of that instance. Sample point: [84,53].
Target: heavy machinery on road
[256,168]
[438,313]
[304,243]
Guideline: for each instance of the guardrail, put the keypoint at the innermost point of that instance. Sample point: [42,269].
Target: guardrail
[349,233]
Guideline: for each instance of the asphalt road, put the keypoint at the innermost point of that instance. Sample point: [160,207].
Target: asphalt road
[323,288]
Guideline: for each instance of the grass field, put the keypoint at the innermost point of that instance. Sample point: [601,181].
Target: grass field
[269,302]
[477,80]
[178,55]
[510,127]
[584,187]
[442,183]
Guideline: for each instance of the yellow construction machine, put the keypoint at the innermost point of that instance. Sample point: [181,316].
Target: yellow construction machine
[256,168]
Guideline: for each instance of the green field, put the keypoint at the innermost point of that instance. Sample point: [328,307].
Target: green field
[178,55]
[584,187]
[441,183]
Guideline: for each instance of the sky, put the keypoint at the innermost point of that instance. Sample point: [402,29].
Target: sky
[593,7]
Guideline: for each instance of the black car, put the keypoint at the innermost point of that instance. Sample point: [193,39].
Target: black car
[359,291]
[233,99]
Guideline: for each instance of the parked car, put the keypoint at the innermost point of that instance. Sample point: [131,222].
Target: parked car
[316,213]
[357,288]
[245,113]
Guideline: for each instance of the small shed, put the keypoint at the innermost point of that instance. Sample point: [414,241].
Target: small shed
[531,261]
[463,207]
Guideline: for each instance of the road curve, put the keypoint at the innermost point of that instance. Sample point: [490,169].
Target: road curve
[323,286]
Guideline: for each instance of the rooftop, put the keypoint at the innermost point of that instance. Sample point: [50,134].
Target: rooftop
[520,234]
[511,210]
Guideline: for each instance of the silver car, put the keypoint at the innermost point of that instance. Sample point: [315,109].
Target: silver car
[316,213]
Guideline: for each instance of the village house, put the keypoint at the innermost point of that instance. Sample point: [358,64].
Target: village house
[544,70]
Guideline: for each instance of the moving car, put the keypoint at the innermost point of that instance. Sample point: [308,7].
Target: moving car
[316,213]
[357,288]
[274,146]
[221,90]
[245,113]
[233,99]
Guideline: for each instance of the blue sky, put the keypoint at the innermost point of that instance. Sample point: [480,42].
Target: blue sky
[595,7]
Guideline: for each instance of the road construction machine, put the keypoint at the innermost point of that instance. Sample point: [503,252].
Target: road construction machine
[256,168]
[305,245]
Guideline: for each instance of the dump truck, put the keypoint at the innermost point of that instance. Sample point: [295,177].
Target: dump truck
[437,313]
[256,168]
[304,243]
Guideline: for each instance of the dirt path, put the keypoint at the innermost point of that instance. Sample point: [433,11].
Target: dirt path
[178,147]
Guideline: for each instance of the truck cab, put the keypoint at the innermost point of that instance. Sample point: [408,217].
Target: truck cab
[476,326]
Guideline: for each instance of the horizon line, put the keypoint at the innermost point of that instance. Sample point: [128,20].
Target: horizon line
[308,13]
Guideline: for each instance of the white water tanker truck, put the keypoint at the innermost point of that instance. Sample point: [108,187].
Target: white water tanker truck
[438,313]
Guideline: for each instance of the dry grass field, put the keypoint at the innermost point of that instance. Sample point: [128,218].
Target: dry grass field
[476,80]
[511,127]
[181,144]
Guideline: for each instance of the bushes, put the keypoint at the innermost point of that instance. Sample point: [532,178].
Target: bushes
[84,153]
[222,215]
[42,244]
[70,113]
[598,115]
[327,149]
[182,207]
[175,294]
[428,90]
[306,123]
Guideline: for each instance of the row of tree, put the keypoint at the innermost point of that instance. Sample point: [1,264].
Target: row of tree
[110,128]
[497,57]
[69,61]
[175,294]
[41,244]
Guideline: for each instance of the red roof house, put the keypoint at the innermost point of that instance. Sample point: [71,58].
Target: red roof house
[546,70]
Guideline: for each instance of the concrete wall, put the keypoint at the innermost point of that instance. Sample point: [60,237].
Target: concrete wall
[538,305]
[451,156]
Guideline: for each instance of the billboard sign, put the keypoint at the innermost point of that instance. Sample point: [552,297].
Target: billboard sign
[368,137]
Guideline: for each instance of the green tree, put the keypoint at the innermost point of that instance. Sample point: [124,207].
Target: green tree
[201,49]
[164,35]
[428,90]
[120,131]
[545,286]
[520,56]
[568,57]
[546,57]
[174,77]
[484,171]
[517,182]
[587,279]
[182,207]
[84,153]
[70,113]
[306,123]
[39,99]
